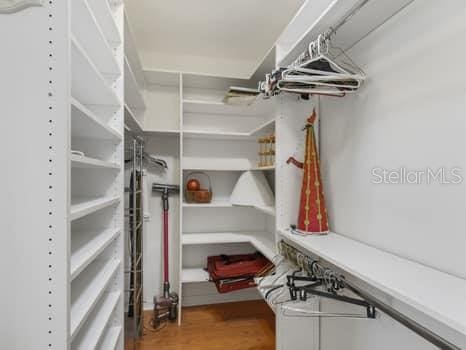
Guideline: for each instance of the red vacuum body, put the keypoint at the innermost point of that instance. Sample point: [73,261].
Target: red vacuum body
[166,305]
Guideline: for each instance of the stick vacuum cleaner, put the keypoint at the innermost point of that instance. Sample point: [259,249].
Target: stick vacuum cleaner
[165,306]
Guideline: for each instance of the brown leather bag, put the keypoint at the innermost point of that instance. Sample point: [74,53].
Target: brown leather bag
[234,272]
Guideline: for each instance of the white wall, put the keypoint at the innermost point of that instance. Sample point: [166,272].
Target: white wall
[410,113]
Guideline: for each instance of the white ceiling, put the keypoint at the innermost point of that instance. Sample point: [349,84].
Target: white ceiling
[215,37]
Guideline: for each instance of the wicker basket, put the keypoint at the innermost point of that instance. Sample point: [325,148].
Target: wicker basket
[201,196]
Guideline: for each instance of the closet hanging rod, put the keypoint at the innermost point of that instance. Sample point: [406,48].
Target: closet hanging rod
[304,261]
[333,29]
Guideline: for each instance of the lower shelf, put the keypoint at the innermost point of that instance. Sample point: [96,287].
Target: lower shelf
[110,338]
[262,241]
[194,275]
[84,206]
[87,290]
[90,336]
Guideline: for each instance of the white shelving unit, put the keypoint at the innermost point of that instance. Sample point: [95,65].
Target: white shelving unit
[96,216]
[67,56]
[221,140]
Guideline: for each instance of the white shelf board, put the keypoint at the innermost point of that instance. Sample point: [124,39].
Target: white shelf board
[110,338]
[161,132]
[262,241]
[414,284]
[268,126]
[213,204]
[86,247]
[269,167]
[133,92]
[90,336]
[372,15]
[131,121]
[225,204]
[260,107]
[85,124]
[88,85]
[84,206]
[214,134]
[78,161]
[267,210]
[87,31]
[105,17]
[194,275]
[87,290]
[216,164]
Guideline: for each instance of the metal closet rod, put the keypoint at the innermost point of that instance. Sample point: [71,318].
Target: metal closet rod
[304,261]
[346,18]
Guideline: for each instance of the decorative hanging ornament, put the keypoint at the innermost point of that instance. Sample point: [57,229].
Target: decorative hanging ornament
[312,216]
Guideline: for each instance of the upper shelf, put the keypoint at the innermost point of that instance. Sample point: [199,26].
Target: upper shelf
[417,285]
[85,124]
[318,16]
[132,122]
[260,107]
[133,93]
[228,135]
[86,29]
[104,16]
[88,85]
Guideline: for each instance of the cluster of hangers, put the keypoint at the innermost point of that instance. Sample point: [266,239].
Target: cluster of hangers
[321,70]
[148,158]
[298,279]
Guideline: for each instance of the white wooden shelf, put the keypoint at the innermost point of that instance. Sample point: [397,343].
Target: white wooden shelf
[213,204]
[93,332]
[133,93]
[84,206]
[225,204]
[85,124]
[194,275]
[110,338]
[87,246]
[268,126]
[262,241]
[267,210]
[414,284]
[131,121]
[104,16]
[260,107]
[162,132]
[216,164]
[87,31]
[269,167]
[88,85]
[78,161]
[86,291]
[230,135]
[221,165]
[213,134]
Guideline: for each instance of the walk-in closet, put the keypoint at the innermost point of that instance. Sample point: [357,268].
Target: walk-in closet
[275,175]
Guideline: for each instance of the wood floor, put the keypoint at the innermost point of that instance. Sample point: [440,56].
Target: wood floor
[234,326]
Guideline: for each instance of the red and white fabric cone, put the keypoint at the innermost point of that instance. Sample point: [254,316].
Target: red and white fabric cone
[312,216]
